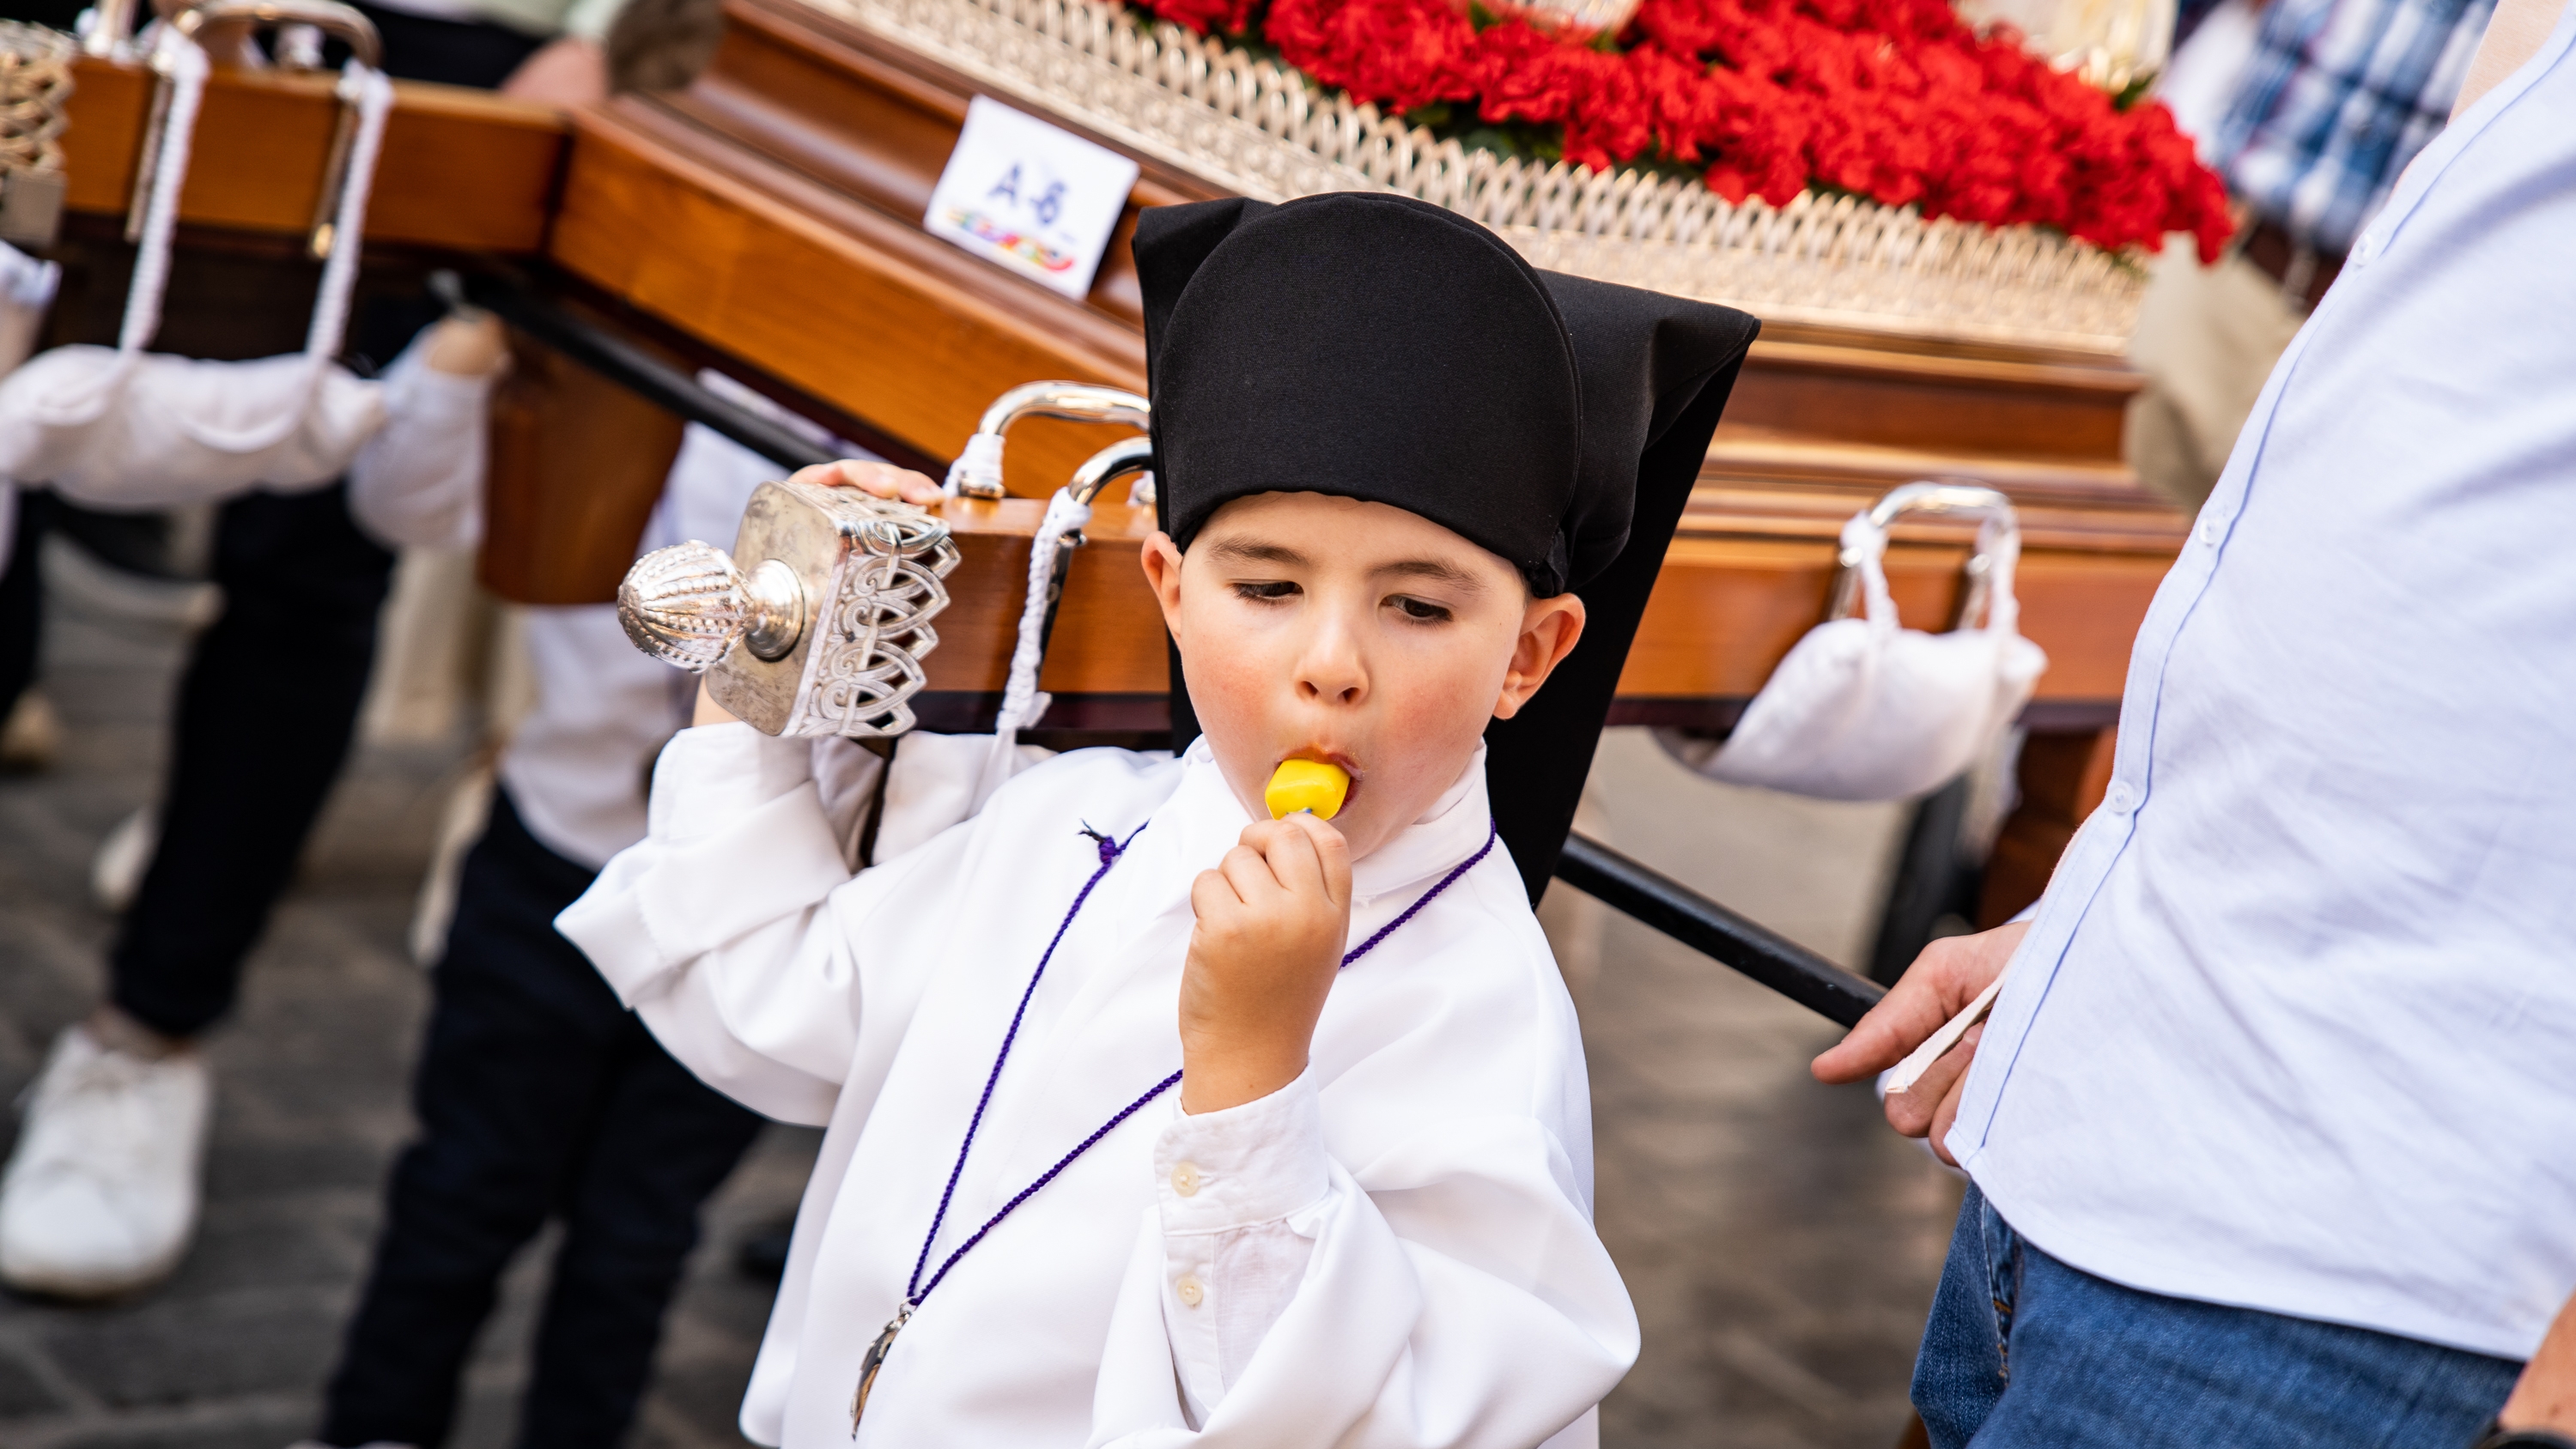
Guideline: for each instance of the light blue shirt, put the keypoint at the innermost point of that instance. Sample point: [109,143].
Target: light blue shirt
[2295,1028]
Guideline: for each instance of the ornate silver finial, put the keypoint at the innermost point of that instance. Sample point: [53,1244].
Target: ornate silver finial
[832,621]
[687,604]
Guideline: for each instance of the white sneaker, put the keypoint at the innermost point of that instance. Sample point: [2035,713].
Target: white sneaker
[101,1195]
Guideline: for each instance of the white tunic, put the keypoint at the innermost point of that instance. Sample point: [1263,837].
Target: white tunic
[1397,1249]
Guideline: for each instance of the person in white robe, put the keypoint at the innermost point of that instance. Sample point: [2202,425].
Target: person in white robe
[1365,1217]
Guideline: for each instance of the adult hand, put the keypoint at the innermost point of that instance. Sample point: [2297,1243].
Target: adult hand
[2546,1396]
[1938,986]
[1273,917]
[467,344]
[878,480]
[567,72]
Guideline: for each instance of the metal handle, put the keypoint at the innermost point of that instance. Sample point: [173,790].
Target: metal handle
[224,28]
[1081,402]
[1948,499]
[687,605]
[228,26]
[349,24]
[1118,460]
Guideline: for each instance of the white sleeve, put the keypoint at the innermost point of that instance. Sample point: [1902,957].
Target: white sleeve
[728,928]
[712,927]
[1232,1190]
[1462,1300]
[418,483]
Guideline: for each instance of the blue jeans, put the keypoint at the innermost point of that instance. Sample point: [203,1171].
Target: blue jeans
[2024,1352]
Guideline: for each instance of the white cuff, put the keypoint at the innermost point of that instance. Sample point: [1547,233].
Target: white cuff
[1256,1163]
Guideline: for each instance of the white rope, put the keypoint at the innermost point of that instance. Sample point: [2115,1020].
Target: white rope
[1997,540]
[1022,704]
[184,63]
[178,58]
[1869,542]
[977,471]
[2003,555]
[374,97]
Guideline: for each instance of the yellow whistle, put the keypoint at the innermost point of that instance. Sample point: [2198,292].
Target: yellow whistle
[1306,785]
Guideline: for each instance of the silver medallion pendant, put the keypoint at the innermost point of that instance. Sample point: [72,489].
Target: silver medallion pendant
[875,1360]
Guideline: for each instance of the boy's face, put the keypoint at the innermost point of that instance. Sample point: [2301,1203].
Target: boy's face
[1325,628]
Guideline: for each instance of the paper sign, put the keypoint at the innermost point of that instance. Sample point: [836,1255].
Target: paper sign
[1032,197]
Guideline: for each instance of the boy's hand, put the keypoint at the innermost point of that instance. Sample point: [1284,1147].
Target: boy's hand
[708,712]
[1938,986]
[1273,917]
[879,480]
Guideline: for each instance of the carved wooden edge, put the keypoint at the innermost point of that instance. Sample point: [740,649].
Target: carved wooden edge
[847,109]
[834,299]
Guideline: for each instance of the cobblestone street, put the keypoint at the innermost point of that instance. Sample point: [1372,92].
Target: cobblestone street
[1781,1248]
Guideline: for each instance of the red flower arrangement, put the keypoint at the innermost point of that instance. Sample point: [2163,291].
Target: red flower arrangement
[1899,101]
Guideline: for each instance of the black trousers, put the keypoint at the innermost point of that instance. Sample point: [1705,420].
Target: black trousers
[22,601]
[266,713]
[451,52]
[539,1096]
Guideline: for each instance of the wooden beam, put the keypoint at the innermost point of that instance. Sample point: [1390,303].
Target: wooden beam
[863,310]
[462,169]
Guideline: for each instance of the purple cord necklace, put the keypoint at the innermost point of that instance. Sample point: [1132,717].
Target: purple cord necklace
[915,1290]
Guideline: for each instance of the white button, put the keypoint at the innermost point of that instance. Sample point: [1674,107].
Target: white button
[2209,531]
[2121,798]
[1185,1179]
[1191,1293]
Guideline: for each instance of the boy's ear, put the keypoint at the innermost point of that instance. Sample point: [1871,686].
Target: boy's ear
[1550,628]
[1161,560]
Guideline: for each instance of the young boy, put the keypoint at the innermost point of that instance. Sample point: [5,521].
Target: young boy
[1154,1120]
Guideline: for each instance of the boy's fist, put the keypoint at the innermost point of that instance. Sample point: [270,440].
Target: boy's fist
[1272,919]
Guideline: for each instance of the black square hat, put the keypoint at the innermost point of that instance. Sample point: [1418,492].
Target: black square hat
[1376,347]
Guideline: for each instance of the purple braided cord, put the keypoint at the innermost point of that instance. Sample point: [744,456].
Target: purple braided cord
[1109,852]
[1044,1178]
[1492,831]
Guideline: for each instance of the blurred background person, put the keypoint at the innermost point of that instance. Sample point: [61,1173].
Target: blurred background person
[539,1095]
[101,1193]
[2334,98]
